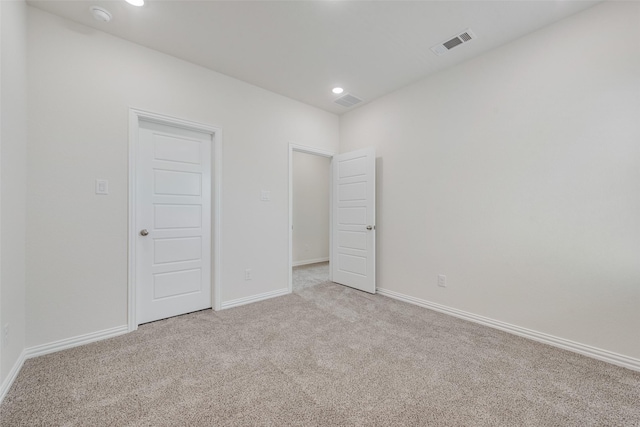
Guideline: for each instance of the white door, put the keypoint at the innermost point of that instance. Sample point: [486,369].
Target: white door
[353,243]
[173,216]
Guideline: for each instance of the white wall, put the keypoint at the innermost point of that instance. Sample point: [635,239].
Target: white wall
[517,174]
[81,85]
[13,143]
[310,208]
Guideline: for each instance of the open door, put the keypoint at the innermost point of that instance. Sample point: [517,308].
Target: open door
[353,217]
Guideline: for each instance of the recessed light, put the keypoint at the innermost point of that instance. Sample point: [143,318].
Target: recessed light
[100,14]
[135,2]
[337,90]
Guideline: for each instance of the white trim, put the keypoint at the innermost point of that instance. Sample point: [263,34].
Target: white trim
[317,152]
[67,343]
[255,298]
[13,374]
[64,344]
[585,350]
[52,347]
[216,199]
[135,115]
[309,261]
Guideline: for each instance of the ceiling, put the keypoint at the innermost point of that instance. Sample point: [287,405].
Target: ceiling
[302,49]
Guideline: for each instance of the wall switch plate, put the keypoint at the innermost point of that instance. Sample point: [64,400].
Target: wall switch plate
[442,280]
[102,186]
[247,274]
[265,196]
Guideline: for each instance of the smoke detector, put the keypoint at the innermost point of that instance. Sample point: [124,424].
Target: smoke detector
[100,14]
[347,100]
[455,41]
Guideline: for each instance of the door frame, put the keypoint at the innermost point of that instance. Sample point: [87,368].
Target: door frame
[318,152]
[135,116]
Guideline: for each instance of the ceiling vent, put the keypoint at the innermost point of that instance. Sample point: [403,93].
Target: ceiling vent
[464,37]
[348,100]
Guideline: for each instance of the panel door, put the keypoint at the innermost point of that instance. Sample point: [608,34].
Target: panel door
[173,251]
[353,261]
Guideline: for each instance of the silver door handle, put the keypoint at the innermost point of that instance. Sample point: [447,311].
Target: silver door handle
[144,232]
[369,227]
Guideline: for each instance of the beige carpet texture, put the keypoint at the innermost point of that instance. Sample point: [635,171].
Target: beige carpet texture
[326,355]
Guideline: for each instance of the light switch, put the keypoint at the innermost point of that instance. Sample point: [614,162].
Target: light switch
[102,186]
[266,196]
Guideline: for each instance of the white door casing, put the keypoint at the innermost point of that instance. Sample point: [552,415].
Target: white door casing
[173,205]
[353,222]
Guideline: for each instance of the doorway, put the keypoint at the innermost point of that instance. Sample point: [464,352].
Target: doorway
[353,219]
[352,229]
[311,176]
[174,217]
[309,216]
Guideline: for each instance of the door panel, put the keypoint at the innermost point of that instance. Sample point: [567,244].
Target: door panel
[177,216]
[169,147]
[177,250]
[353,264]
[173,267]
[177,183]
[352,192]
[352,216]
[353,219]
[176,283]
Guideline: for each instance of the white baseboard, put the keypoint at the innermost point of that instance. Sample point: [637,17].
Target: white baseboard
[254,298]
[309,261]
[13,373]
[586,350]
[40,350]
[52,347]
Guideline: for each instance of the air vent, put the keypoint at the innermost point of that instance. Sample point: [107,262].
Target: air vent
[444,47]
[347,100]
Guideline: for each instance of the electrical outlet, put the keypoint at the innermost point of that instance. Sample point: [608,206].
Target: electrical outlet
[247,274]
[5,334]
[442,280]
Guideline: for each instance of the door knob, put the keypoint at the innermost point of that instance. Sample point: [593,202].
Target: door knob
[369,227]
[144,232]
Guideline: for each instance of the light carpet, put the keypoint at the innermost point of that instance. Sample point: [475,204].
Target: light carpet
[305,276]
[325,355]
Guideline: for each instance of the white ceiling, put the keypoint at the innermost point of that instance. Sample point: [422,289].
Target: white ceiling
[302,49]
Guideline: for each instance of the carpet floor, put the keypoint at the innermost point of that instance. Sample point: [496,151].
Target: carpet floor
[325,355]
[306,276]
